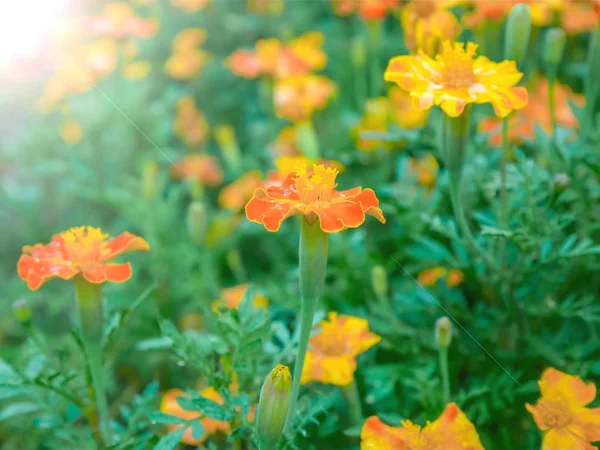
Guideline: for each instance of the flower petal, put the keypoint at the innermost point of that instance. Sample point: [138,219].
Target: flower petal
[340,215]
[376,435]
[270,212]
[370,204]
[99,273]
[125,242]
[36,271]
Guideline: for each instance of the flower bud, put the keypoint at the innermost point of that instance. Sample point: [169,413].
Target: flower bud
[21,311]
[379,280]
[273,406]
[560,183]
[443,332]
[149,175]
[554,47]
[196,221]
[518,29]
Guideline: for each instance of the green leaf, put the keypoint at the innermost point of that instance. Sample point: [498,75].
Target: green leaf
[205,406]
[170,441]
[161,418]
[197,429]
[17,409]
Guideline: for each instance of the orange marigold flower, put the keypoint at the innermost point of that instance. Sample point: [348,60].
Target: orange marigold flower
[427,23]
[187,59]
[561,412]
[170,406]
[190,125]
[79,250]
[430,277]
[266,7]
[296,98]
[71,132]
[452,430]
[120,21]
[331,356]
[403,111]
[190,6]
[312,194]
[426,169]
[455,79]
[455,277]
[578,17]
[231,297]
[376,9]
[235,195]
[203,168]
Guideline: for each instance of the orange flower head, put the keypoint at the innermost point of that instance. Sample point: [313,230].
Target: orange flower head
[452,430]
[80,250]
[313,194]
[202,168]
[266,7]
[296,98]
[376,9]
[169,405]
[426,169]
[430,277]
[455,278]
[561,412]
[331,357]
[231,298]
[71,132]
[455,79]
[187,59]
[235,195]
[190,125]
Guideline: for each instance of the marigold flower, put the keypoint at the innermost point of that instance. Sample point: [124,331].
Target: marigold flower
[136,70]
[313,194]
[286,143]
[455,79]
[367,9]
[190,125]
[190,6]
[202,168]
[71,132]
[80,250]
[561,412]
[430,277]
[403,111]
[426,169]
[235,195]
[578,17]
[231,297]
[452,430]
[170,406]
[454,278]
[296,98]
[120,21]
[266,7]
[331,356]
[187,59]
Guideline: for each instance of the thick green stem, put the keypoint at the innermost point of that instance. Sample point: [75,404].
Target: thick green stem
[443,352]
[307,140]
[89,300]
[353,399]
[313,267]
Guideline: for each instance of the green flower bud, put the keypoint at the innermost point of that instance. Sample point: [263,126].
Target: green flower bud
[22,311]
[560,183]
[554,47]
[379,280]
[196,221]
[518,29]
[443,332]
[273,406]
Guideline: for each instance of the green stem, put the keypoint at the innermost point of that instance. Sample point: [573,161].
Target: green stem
[353,398]
[503,192]
[551,103]
[307,140]
[445,375]
[374,31]
[89,299]
[313,266]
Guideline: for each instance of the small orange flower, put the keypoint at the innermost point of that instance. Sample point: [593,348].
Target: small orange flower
[71,132]
[430,277]
[202,168]
[296,98]
[266,7]
[454,278]
[455,79]
[286,143]
[313,195]
[376,9]
[190,6]
[452,430]
[235,195]
[190,125]
[331,356]
[170,406]
[403,111]
[578,17]
[231,297]
[426,169]
[562,415]
[120,21]
[136,70]
[187,59]
[79,250]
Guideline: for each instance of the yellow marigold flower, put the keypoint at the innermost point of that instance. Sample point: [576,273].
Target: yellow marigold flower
[188,39]
[404,113]
[426,169]
[296,98]
[136,70]
[234,196]
[451,431]
[190,6]
[190,125]
[331,356]
[231,298]
[187,59]
[455,79]
[71,132]
[561,412]
[426,24]
[429,277]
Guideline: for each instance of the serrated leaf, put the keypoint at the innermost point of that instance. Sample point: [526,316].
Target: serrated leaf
[17,409]
[170,441]
[160,418]
[205,406]
[197,429]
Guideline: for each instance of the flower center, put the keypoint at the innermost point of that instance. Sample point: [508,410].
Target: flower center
[555,412]
[457,64]
[84,244]
[315,187]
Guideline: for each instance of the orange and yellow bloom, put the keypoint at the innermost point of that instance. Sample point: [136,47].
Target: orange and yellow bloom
[455,79]
[367,9]
[331,356]
[296,98]
[201,168]
[71,132]
[84,251]
[452,430]
[190,125]
[312,194]
[231,297]
[562,412]
[430,277]
[235,195]
[187,59]
[426,169]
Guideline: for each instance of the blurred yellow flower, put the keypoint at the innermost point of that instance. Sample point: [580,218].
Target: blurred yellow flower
[332,352]
[455,79]
[190,6]
[234,196]
[71,132]
[231,298]
[430,277]
[428,23]
[561,412]
[198,167]
[136,70]
[451,431]
[426,169]
[404,113]
[296,98]
[187,60]
[190,125]
[266,7]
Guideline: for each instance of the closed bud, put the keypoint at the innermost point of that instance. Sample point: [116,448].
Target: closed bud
[379,280]
[443,332]
[560,183]
[21,311]
[149,177]
[554,47]
[273,406]
[518,28]
[196,221]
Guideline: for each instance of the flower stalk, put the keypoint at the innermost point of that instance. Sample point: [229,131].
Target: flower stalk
[89,302]
[353,398]
[307,140]
[313,267]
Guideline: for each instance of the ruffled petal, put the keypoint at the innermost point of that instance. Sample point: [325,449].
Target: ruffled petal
[36,271]
[376,435]
[270,212]
[125,242]
[340,215]
[564,439]
[507,100]
[99,273]
[534,410]
[370,204]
